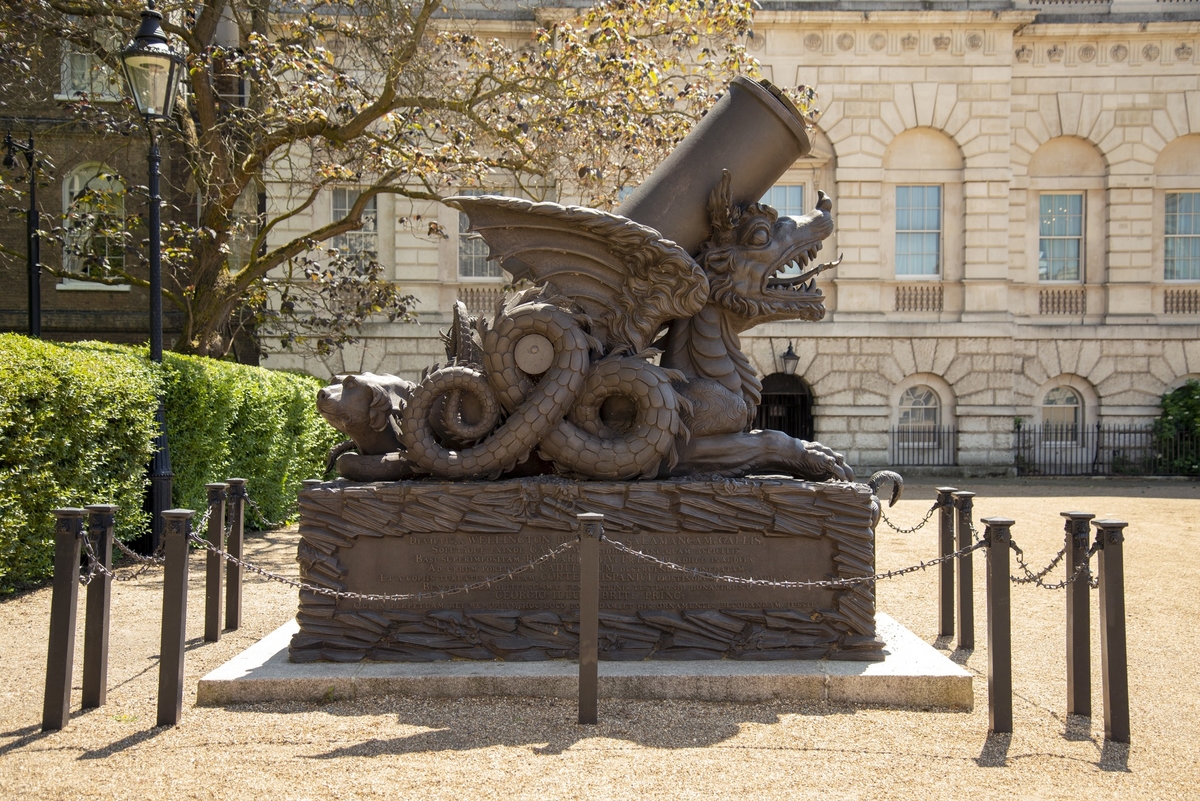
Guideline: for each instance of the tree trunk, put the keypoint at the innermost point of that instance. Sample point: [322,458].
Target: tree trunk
[211,299]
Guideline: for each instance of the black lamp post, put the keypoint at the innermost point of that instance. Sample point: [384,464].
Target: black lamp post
[31,225]
[152,70]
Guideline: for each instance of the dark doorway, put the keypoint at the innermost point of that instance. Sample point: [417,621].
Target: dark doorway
[787,406]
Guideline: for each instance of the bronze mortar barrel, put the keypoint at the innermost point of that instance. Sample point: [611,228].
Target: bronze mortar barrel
[753,131]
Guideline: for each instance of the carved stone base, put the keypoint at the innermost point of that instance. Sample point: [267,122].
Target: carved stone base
[423,536]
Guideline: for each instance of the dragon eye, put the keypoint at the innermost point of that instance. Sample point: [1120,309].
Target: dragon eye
[758,236]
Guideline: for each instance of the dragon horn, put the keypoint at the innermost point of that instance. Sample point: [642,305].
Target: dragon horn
[720,211]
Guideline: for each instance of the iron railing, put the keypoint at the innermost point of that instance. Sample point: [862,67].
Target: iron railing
[923,446]
[1105,450]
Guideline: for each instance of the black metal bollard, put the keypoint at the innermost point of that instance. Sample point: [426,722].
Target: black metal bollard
[964,504]
[1079,617]
[1110,537]
[591,529]
[214,573]
[101,520]
[60,653]
[999,624]
[946,569]
[233,572]
[177,526]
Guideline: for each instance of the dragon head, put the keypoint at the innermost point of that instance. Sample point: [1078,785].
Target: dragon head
[751,246]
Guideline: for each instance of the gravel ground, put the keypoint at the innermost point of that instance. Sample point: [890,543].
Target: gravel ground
[532,748]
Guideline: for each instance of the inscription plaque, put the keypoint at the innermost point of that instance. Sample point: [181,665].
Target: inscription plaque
[431,562]
[412,537]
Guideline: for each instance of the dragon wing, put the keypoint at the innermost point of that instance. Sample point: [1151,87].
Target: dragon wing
[623,275]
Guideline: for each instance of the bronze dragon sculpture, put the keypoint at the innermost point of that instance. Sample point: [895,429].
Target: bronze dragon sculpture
[563,379]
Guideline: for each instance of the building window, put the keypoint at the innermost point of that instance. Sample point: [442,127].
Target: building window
[472,250]
[1061,414]
[84,74]
[787,199]
[1181,244]
[920,414]
[918,230]
[94,203]
[1060,237]
[359,247]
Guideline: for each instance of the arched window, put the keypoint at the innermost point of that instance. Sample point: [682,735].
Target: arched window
[94,212]
[922,205]
[1062,413]
[920,416]
[786,406]
[1177,237]
[1066,219]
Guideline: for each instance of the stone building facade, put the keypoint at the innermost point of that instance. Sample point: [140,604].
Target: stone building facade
[1016,188]
[1017,196]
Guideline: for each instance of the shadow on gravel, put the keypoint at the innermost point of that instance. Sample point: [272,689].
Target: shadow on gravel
[125,742]
[25,735]
[995,750]
[1114,757]
[548,726]
[1078,729]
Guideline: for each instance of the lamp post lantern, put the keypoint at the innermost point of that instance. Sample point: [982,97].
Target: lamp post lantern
[790,360]
[32,223]
[152,70]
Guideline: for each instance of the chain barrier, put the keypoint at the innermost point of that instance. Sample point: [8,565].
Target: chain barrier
[415,596]
[262,517]
[917,527]
[143,563]
[156,559]
[824,584]
[1082,570]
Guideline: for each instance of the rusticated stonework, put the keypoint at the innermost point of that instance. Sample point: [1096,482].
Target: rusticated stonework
[420,536]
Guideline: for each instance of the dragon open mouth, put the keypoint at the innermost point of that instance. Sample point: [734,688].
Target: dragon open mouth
[786,278]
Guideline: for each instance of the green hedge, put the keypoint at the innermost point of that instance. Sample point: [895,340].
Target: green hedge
[77,427]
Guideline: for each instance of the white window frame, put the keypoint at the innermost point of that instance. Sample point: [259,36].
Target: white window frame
[74,184]
[920,432]
[96,79]
[923,231]
[1192,237]
[471,251]
[1076,426]
[1080,238]
[361,245]
[788,200]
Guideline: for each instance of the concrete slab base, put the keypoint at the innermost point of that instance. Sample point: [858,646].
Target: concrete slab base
[912,674]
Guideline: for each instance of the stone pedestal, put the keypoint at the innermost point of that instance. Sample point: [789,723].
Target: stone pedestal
[426,536]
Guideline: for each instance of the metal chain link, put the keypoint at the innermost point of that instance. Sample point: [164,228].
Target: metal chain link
[265,520]
[1083,569]
[145,563]
[344,594]
[915,528]
[826,584]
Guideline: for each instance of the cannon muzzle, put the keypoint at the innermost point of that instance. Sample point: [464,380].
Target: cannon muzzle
[754,131]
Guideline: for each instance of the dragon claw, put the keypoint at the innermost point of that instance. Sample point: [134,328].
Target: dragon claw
[888,477]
